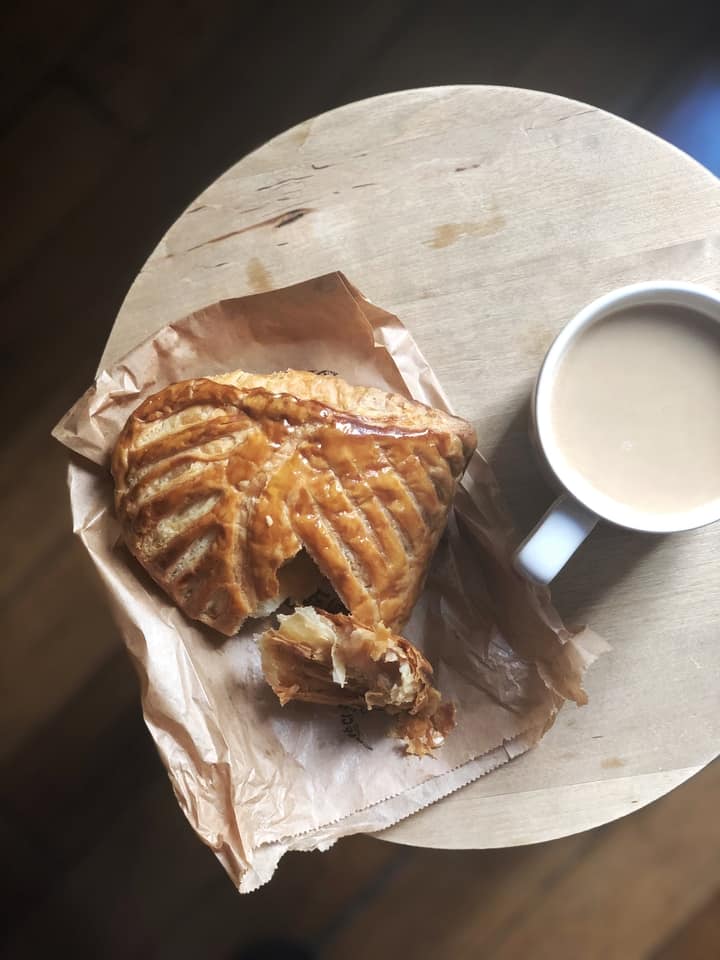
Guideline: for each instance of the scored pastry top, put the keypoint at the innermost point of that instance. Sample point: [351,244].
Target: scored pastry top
[221,482]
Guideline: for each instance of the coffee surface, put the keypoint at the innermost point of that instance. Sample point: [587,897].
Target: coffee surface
[635,408]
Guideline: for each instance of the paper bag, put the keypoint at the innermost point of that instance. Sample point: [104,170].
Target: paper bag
[256,779]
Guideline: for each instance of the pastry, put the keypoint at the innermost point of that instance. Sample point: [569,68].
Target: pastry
[331,659]
[239,491]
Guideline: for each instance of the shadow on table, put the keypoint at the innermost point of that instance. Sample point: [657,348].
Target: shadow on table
[607,557]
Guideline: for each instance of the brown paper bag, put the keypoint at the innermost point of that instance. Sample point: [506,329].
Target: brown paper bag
[256,779]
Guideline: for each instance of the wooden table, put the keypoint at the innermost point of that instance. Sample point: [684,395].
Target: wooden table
[485,217]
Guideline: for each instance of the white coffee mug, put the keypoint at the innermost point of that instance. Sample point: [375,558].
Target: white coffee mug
[574,514]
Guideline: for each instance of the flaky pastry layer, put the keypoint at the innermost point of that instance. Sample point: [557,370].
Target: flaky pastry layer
[319,657]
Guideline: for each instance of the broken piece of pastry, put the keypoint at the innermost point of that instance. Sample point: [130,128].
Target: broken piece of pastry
[328,658]
[239,492]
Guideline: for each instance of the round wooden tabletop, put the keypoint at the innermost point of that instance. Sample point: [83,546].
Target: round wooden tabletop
[485,217]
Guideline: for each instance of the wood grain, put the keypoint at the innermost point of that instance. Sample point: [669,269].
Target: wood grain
[481,895]
[698,938]
[617,892]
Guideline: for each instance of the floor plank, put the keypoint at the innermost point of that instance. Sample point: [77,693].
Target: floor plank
[155,874]
[606,55]
[309,893]
[34,40]
[61,646]
[699,937]
[480,894]
[619,891]
[458,42]
[36,473]
[25,866]
[52,158]
[633,888]
[132,74]
[78,772]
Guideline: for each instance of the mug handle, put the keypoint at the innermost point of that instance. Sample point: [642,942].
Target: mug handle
[543,554]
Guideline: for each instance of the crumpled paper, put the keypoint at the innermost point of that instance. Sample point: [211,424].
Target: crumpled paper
[256,779]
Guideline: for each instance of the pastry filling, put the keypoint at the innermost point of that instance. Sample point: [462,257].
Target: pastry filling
[300,582]
[318,657]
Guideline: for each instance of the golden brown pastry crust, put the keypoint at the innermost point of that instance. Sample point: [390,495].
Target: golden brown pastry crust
[220,482]
[319,657]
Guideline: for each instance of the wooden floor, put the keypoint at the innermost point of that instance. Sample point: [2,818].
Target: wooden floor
[113,115]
